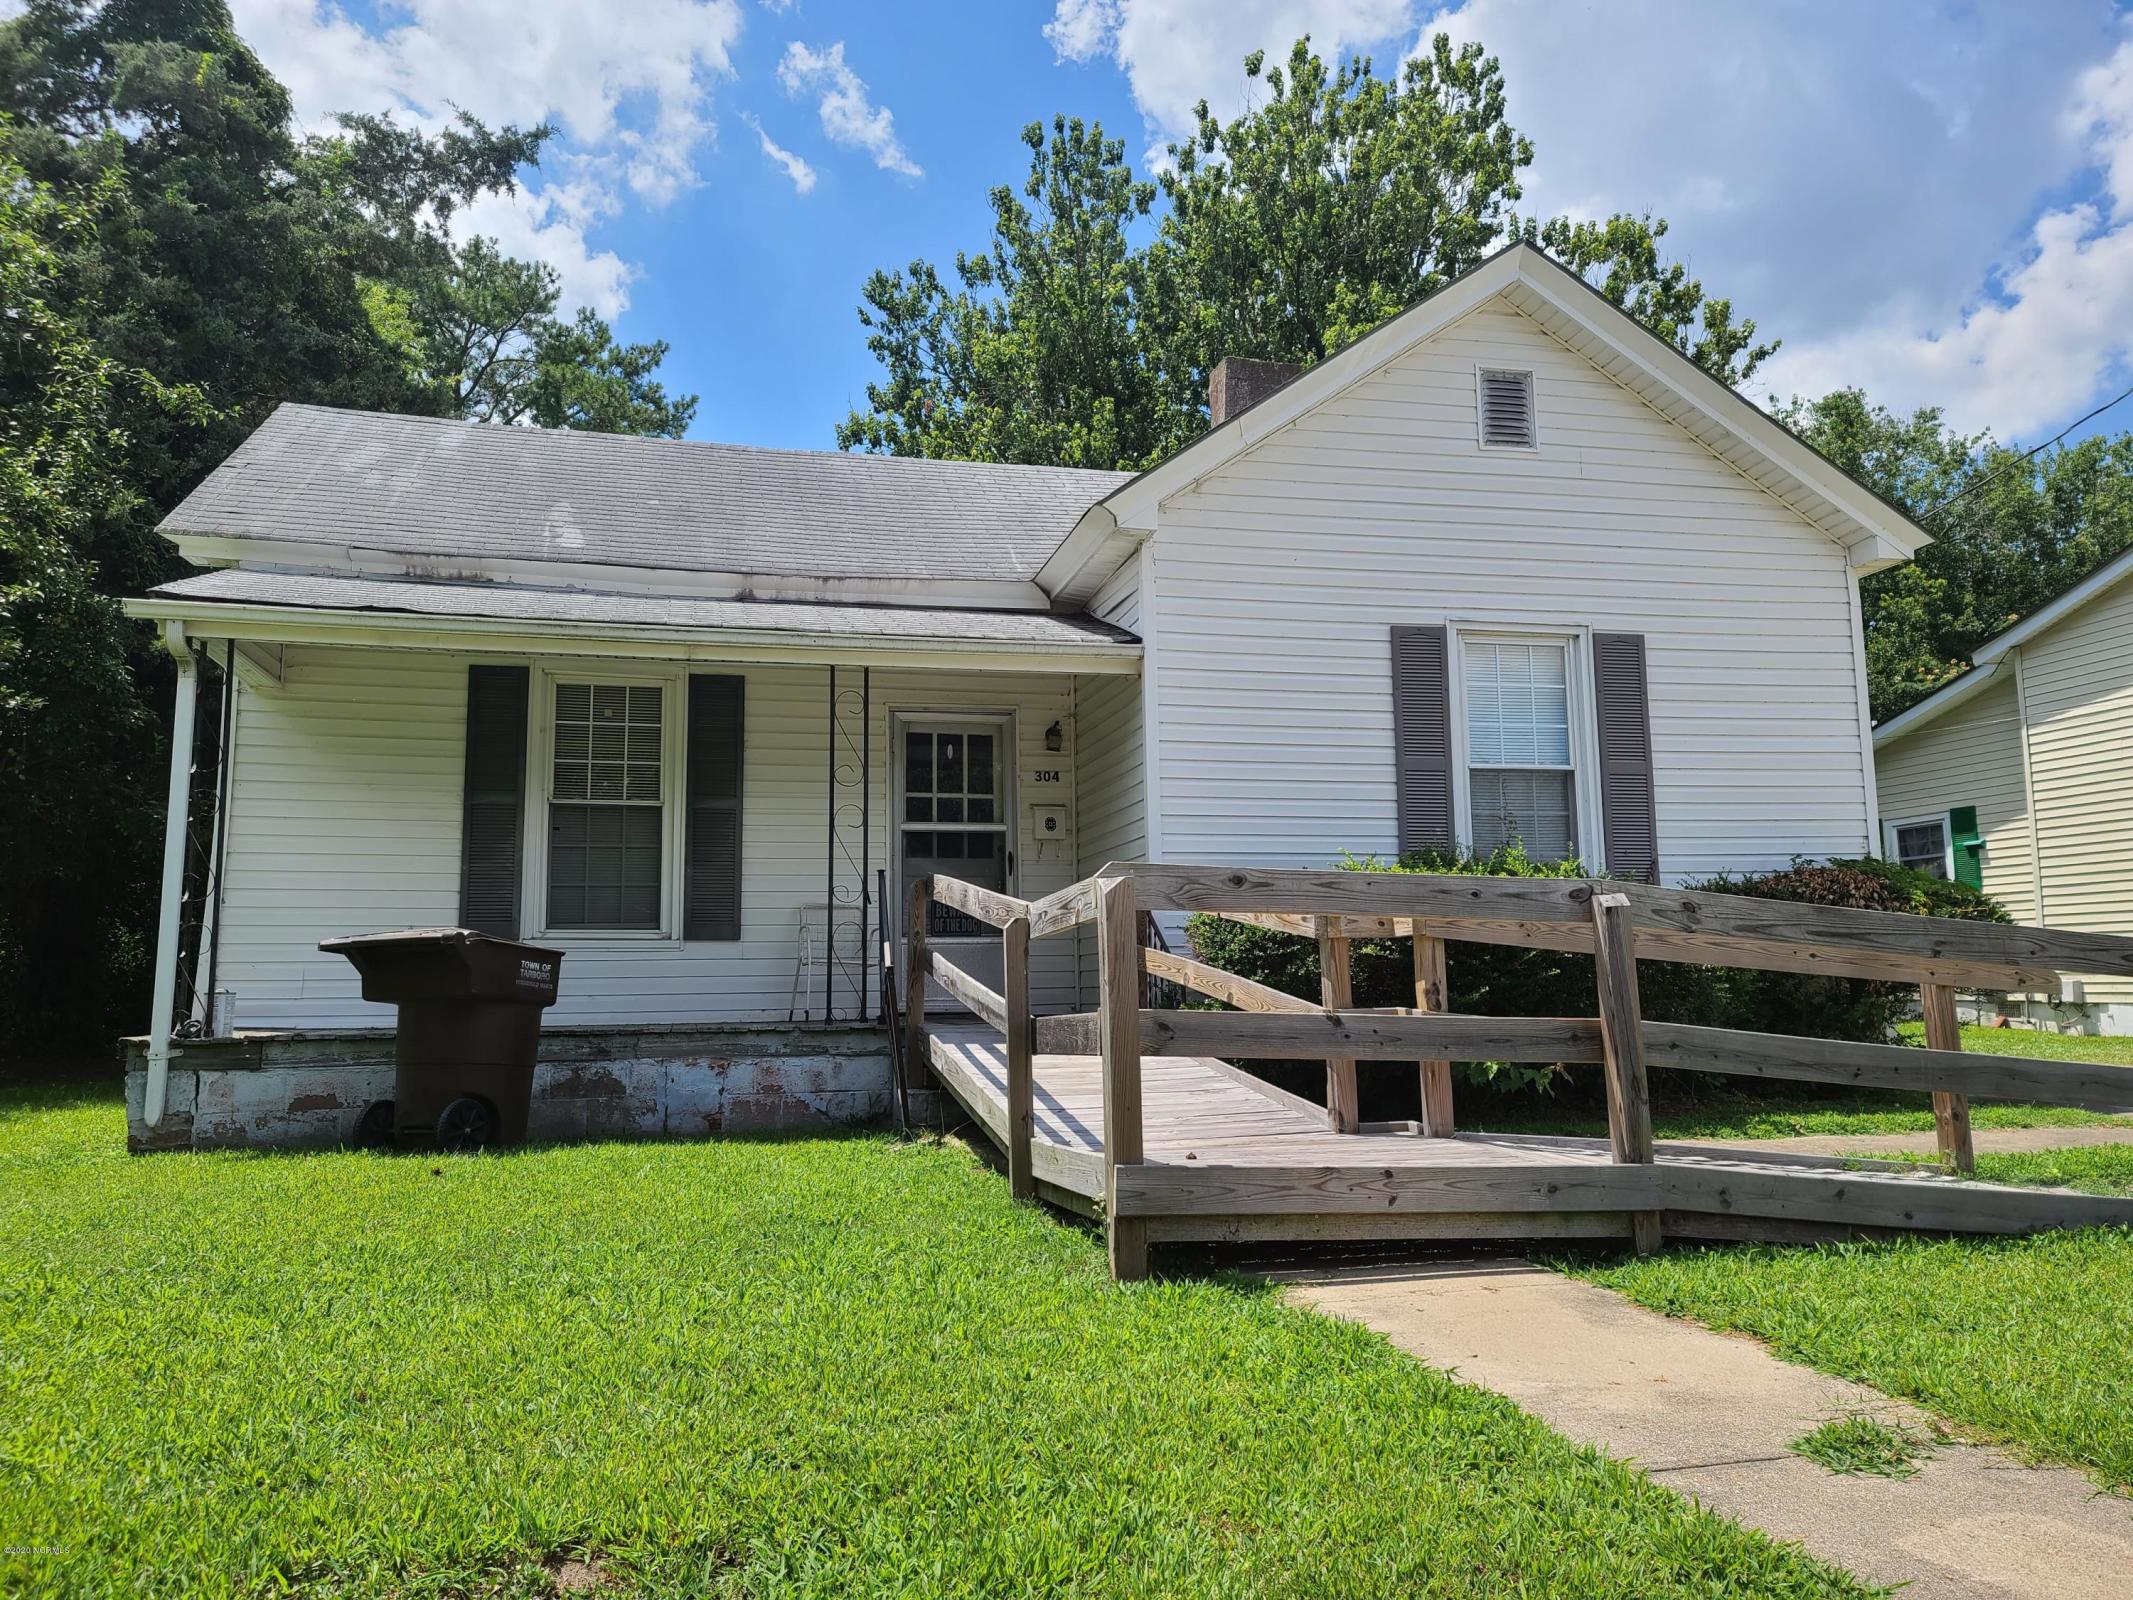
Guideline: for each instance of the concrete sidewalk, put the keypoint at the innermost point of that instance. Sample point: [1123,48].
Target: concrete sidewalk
[1710,1415]
[1995,1141]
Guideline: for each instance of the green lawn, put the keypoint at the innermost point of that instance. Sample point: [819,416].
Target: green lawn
[1784,1111]
[2099,1169]
[804,1367]
[2116,1051]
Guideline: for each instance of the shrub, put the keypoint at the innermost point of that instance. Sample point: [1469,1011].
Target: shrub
[1925,895]
[1791,1002]
[1503,981]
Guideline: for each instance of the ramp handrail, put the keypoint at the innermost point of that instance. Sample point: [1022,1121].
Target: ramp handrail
[1620,924]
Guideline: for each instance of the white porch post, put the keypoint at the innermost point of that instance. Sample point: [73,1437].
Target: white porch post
[174,818]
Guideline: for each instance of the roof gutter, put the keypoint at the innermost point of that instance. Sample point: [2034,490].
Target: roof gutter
[423,630]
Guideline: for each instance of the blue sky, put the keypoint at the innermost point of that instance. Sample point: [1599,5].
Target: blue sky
[1929,198]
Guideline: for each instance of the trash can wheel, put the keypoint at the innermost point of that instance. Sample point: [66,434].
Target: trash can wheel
[466,1124]
[374,1129]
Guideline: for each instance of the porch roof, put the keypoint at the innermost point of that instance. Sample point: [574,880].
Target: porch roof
[299,607]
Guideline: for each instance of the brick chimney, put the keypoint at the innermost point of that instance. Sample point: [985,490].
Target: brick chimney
[1237,383]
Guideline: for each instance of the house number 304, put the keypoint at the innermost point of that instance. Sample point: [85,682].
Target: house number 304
[1045,775]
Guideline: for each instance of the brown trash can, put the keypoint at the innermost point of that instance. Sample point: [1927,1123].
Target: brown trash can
[470,1027]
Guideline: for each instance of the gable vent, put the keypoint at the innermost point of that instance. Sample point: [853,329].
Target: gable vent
[1507,409]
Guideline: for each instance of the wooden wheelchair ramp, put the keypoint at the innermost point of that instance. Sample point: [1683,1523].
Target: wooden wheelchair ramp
[1132,1112]
[1229,1158]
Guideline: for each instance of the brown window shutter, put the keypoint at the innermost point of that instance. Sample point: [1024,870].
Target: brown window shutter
[1422,736]
[493,812]
[1630,821]
[711,879]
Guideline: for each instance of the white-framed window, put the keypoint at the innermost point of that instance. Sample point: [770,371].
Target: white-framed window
[1925,844]
[1509,418]
[604,852]
[1524,743]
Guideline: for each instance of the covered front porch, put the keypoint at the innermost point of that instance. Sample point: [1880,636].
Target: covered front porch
[705,805]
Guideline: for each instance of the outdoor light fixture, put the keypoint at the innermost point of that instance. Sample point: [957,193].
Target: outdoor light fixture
[1055,738]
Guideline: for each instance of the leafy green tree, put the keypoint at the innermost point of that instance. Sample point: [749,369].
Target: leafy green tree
[1284,234]
[1620,258]
[1039,356]
[2009,531]
[483,333]
[73,733]
[178,262]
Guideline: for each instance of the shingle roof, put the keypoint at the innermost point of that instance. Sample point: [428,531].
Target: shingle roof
[513,603]
[422,486]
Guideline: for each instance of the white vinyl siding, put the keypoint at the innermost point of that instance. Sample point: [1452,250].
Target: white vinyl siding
[2077,689]
[1108,777]
[345,818]
[1109,792]
[1971,756]
[1280,576]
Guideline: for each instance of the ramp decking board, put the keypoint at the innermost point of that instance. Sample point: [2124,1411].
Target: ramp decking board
[1224,1161]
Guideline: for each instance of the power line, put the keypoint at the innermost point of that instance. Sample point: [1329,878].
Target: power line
[2027,455]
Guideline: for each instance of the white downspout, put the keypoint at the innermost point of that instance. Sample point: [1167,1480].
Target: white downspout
[166,976]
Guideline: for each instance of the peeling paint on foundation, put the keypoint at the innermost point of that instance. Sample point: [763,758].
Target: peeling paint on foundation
[297,1090]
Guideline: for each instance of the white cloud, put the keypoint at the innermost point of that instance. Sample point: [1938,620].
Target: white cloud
[2056,332]
[627,86]
[802,175]
[848,116]
[2102,117]
[1080,30]
[632,80]
[1175,53]
[549,226]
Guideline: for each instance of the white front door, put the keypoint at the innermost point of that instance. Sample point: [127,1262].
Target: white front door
[954,815]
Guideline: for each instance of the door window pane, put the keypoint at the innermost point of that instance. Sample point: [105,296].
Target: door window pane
[952,781]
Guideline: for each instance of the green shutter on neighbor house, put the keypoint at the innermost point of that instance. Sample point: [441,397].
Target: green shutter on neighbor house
[1629,818]
[711,881]
[1967,845]
[1422,737]
[493,815]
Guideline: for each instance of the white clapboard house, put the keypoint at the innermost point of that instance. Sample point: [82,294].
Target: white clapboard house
[691,713]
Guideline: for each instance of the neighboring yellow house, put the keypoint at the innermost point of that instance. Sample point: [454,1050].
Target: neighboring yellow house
[2018,776]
